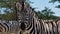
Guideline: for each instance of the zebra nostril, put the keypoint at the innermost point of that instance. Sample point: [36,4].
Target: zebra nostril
[23,27]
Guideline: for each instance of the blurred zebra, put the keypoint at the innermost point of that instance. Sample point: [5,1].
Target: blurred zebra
[9,27]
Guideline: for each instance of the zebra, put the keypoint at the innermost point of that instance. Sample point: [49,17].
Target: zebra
[58,25]
[53,26]
[8,27]
[28,18]
[4,26]
[28,22]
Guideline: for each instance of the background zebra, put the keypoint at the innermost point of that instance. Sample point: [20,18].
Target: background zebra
[9,27]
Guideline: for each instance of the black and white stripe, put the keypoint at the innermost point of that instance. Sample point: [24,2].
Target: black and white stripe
[4,26]
[28,17]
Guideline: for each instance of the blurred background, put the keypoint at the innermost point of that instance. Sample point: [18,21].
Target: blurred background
[44,9]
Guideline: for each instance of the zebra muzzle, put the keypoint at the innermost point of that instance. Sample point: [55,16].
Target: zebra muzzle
[23,26]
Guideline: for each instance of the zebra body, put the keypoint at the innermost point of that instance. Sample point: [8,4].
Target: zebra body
[8,28]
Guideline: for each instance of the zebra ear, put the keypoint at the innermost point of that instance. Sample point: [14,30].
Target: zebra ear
[18,6]
[27,5]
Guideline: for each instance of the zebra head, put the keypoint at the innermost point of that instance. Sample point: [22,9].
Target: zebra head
[24,25]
